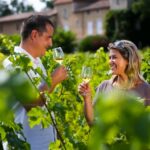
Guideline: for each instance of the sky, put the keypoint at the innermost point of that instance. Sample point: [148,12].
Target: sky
[35,3]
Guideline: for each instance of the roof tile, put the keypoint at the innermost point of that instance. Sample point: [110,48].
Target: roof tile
[62,1]
[22,16]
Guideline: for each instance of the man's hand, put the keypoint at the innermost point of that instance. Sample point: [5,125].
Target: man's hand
[58,76]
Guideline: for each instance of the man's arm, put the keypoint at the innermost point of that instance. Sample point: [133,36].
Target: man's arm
[57,76]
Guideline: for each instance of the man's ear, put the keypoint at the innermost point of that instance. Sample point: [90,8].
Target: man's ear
[34,34]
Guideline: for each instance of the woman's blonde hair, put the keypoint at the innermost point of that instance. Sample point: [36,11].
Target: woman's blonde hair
[129,51]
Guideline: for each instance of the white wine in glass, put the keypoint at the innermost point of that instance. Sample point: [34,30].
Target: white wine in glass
[86,74]
[58,55]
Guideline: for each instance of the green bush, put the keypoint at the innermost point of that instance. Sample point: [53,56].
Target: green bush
[67,105]
[121,123]
[121,24]
[7,43]
[92,43]
[145,68]
[64,39]
[2,57]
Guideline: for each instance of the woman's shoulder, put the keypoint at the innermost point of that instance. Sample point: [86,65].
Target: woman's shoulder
[104,84]
[145,85]
[103,87]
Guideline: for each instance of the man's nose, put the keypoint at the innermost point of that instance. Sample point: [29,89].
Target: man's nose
[50,42]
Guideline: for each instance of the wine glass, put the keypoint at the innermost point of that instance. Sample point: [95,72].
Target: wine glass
[58,55]
[86,74]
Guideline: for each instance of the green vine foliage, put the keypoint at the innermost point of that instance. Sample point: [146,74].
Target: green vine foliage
[121,122]
[64,106]
[146,64]
[11,87]
[7,43]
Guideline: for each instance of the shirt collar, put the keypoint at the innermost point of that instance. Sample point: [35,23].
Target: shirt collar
[19,49]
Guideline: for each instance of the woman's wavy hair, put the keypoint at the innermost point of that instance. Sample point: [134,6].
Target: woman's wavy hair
[129,51]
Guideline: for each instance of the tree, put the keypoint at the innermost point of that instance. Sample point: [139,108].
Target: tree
[15,6]
[132,24]
[49,3]
[18,6]
[141,7]
[5,10]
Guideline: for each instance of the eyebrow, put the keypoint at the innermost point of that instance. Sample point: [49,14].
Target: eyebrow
[112,55]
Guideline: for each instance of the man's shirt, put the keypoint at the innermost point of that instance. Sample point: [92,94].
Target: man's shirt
[39,138]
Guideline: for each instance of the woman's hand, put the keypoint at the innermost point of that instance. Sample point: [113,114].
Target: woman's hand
[84,89]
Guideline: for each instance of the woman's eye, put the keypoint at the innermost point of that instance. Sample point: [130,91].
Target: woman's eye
[112,57]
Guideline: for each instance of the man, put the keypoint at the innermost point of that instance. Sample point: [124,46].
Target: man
[36,37]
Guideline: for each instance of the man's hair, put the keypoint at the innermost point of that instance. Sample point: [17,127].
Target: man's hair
[34,22]
[129,51]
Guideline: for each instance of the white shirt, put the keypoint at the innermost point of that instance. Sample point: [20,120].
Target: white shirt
[39,138]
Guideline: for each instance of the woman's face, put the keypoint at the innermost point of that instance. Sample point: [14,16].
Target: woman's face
[117,62]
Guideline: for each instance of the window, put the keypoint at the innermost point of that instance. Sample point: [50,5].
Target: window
[78,24]
[17,26]
[66,27]
[65,13]
[99,26]
[1,28]
[88,12]
[90,28]
[117,2]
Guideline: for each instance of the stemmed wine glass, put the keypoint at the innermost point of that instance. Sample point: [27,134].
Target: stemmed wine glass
[86,74]
[58,55]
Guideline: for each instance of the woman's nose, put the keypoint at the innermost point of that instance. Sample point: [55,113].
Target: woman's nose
[111,61]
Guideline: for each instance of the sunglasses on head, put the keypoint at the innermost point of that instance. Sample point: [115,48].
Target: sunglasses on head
[121,46]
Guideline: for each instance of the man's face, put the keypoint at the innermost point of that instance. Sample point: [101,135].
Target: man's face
[43,41]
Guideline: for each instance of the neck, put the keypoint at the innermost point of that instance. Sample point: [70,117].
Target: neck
[121,81]
[28,46]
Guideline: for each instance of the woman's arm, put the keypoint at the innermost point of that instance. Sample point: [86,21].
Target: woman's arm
[85,91]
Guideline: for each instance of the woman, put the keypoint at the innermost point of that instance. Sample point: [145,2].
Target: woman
[125,67]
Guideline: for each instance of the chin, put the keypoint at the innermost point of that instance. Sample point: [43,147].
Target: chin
[43,53]
[113,72]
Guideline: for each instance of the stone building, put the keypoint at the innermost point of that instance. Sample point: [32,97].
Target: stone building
[84,17]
